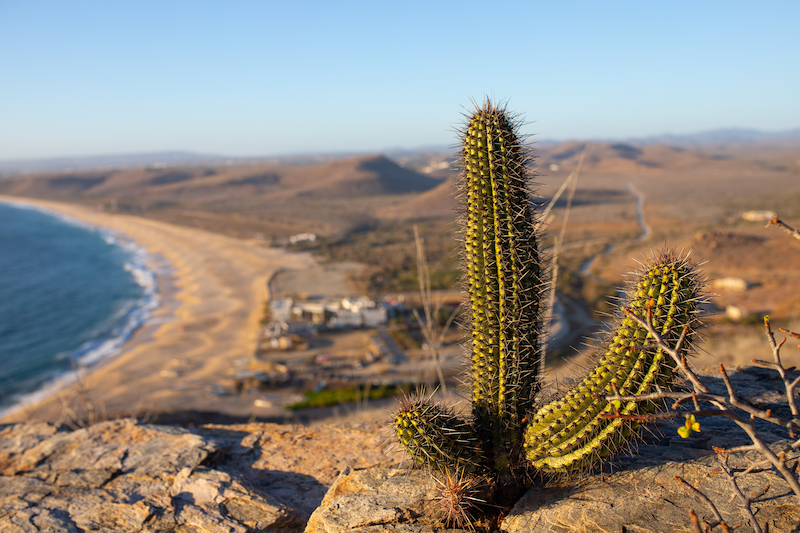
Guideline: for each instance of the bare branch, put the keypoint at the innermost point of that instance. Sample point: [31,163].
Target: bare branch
[427,326]
[557,250]
[697,527]
[778,366]
[724,406]
[705,498]
[785,227]
[722,457]
[675,353]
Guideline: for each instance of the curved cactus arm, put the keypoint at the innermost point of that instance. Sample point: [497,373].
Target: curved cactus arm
[434,437]
[502,272]
[570,433]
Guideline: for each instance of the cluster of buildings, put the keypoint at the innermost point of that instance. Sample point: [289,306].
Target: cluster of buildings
[290,317]
[302,237]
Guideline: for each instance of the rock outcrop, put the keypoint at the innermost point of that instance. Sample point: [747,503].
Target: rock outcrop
[642,497]
[124,475]
[637,493]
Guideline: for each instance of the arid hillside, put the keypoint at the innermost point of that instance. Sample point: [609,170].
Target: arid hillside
[255,200]
[629,200]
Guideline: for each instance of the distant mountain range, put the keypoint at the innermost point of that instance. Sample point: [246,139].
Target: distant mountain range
[719,137]
[58,164]
[154,160]
[172,159]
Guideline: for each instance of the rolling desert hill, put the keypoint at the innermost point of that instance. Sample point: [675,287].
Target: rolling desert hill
[672,174]
[683,187]
[631,198]
[441,201]
[362,176]
[265,199]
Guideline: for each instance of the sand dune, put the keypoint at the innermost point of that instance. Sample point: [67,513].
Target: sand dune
[209,319]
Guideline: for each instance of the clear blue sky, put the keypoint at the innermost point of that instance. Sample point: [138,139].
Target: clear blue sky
[266,77]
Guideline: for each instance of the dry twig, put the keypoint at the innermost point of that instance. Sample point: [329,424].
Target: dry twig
[573,178]
[717,515]
[722,457]
[433,338]
[723,406]
[785,227]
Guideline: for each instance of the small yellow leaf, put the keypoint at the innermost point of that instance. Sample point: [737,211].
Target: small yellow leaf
[690,425]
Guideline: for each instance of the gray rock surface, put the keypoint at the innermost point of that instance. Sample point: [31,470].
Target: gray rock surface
[642,495]
[645,497]
[123,475]
[377,499]
[126,476]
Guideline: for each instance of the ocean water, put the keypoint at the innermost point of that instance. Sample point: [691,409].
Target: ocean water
[70,295]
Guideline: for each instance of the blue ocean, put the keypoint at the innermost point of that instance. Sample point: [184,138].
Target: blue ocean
[70,296]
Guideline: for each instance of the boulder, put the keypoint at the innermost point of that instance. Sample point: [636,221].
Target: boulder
[378,499]
[644,496]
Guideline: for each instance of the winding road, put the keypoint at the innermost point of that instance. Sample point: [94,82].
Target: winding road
[646,232]
[561,331]
[585,269]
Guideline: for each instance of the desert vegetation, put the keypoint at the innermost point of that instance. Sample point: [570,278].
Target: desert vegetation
[484,458]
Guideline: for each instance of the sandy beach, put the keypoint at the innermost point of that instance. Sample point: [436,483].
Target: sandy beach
[212,301]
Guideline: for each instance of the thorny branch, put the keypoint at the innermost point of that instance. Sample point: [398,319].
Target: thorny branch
[732,407]
[729,407]
[434,338]
[706,499]
[705,527]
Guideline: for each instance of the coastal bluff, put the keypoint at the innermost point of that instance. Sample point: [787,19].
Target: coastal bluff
[125,475]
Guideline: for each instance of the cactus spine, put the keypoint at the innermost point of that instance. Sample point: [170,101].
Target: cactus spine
[502,272]
[570,432]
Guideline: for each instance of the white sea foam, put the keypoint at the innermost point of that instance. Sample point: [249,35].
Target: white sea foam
[109,342]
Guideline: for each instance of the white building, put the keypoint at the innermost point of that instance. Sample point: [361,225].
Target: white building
[376,316]
[346,319]
[731,284]
[281,310]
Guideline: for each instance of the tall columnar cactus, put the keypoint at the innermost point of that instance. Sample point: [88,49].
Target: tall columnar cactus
[502,274]
[503,277]
[571,432]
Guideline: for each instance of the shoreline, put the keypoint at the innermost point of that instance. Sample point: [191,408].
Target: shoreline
[147,272]
[211,303]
